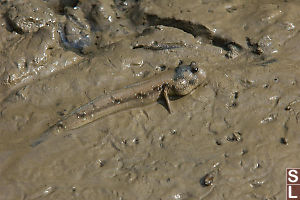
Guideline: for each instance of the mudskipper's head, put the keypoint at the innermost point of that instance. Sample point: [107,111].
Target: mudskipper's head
[187,78]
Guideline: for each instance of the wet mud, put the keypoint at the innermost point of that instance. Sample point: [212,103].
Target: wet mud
[231,138]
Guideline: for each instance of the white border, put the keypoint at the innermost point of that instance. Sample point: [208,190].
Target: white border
[286,184]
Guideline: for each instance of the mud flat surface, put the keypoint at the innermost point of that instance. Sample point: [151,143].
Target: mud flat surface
[232,138]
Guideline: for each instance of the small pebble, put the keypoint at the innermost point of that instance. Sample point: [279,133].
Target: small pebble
[283,140]
[236,136]
[208,179]
[173,131]
[135,140]
[100,163]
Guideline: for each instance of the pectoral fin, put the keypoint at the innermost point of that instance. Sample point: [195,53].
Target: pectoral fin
[167,100]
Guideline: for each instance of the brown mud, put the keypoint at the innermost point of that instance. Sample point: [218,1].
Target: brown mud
[230,139]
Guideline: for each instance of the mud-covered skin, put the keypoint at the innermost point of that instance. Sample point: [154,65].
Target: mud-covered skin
[187,78]
[176,82]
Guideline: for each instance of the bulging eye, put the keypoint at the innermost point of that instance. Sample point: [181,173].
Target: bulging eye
[194,69]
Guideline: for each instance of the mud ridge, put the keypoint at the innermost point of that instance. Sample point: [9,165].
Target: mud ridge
[197,30]
[10,26]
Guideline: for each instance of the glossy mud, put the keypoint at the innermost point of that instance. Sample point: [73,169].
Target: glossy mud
[232,138]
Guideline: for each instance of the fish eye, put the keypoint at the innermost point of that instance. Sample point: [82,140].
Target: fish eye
[195,69]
